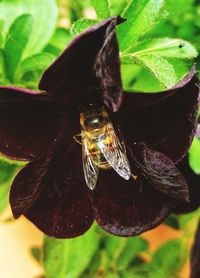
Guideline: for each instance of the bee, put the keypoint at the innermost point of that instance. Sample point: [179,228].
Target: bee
[101,148]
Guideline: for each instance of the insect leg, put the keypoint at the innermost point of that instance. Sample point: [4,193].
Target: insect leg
[78,138]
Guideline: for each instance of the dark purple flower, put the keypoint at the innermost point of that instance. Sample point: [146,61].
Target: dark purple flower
[156,129]
[195,255]
[193,180]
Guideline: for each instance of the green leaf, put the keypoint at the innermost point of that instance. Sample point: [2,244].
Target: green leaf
[7,173]
[129,73]
[101,7]
[112,274]
[189,221]
[2,67]
[167,260]
[44,13]
[7,170]
[32,67]
[4,195]
[165,47]
[131,249]
[59,41]
[117,6]
[141,16]
[60,38]
[12,161]
[121,251]
[162,57]
[113,245]
[1,24]
[145,82]
[69,258]
[175,8]
[16,43]
[160,67]
[94,266]
[81,25]
[1,40]
[139,268]
[131,273]
[194,156]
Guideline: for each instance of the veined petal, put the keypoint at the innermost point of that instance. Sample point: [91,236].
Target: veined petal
[128,208]
[161,172]
[166,122]
[88,68]
[51,193]
[27,185]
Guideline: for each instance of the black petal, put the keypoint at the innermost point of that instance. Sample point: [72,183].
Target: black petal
[88,68]
[128,208]
[51,192]
[161,172]
[29,122]
[193,181]
[166,122]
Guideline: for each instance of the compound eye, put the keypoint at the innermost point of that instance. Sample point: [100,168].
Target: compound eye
[95,122]
[91,122]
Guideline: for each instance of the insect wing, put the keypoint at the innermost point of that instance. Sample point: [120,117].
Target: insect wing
[91,171]
[115,154]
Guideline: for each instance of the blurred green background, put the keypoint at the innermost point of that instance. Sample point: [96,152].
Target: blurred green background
[32,34]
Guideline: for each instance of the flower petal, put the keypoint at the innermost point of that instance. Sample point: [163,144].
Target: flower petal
[27,186]
[11,94]
[193,181]
[165,123]
[88,68]
[161,172]
[29,123]
[127,208]
[52,194]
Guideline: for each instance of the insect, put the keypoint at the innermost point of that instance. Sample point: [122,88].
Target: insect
[101,148]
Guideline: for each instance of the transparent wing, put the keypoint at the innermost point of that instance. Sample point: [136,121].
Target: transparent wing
[115,153]
[91,171]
